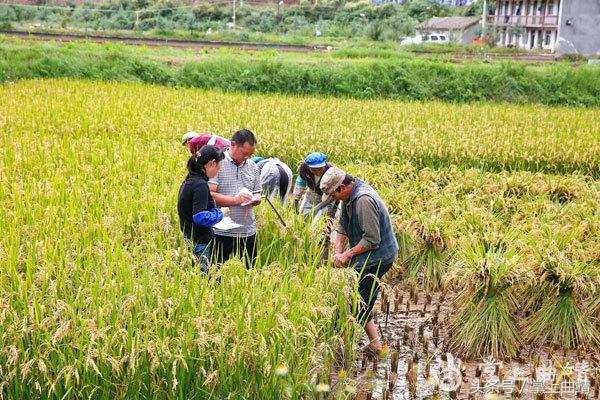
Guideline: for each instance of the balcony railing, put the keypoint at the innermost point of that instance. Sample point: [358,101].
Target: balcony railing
[524,20]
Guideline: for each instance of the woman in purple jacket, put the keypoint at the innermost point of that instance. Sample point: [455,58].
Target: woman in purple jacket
[196,208]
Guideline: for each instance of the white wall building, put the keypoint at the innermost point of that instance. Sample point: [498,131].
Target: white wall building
[563,26]
[528,24]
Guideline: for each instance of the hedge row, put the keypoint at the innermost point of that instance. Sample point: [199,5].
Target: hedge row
[387,78]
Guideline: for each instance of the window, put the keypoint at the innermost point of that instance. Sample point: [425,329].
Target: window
[433,38]
[519,7]
[442,38]
[550,8]
[547,38]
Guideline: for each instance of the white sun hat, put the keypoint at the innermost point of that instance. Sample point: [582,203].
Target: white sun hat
[188,136]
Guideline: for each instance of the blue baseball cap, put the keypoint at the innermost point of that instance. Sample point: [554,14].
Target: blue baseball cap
[315,160]
[257,159]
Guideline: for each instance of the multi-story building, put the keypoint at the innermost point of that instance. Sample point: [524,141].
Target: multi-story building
[527,24]
[565,26]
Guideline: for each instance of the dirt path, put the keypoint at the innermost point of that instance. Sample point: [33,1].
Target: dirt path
[67,37]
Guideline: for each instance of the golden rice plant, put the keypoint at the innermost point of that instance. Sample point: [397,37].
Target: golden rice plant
[485,136]
[98,295]
[566,278]
[487,274]
[428,260]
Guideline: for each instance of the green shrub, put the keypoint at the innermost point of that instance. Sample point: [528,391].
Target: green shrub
[6,26]
[385,75]
[375,30]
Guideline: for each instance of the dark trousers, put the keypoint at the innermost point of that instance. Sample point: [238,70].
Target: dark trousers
[226,247]
[368,288]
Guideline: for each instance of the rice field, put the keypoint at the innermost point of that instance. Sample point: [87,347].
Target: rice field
[498,205]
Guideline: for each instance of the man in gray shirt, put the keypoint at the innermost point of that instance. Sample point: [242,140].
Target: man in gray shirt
[365,224]
[237,186]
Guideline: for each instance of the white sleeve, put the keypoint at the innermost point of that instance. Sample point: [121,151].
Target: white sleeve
[269,175]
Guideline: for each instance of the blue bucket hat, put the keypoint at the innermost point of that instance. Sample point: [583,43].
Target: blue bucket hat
[257,159]
[315,160]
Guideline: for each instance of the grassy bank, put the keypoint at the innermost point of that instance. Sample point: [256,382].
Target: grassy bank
[392,78]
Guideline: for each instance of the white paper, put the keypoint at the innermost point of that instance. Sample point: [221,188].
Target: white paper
[255,197]
[226,224]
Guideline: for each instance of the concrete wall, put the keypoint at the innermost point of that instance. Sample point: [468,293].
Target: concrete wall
[469,34]
[583,35]
[465,36]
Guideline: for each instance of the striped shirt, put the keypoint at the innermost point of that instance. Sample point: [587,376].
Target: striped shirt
[230,180]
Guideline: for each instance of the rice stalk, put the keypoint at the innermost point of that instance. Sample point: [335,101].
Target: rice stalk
[485,324]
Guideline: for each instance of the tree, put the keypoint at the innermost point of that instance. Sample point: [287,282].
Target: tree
[403,26]
[191,23]
[424,9]
[375,30]
[122,20]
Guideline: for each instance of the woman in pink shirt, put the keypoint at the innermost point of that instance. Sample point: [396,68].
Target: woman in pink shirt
[195,142]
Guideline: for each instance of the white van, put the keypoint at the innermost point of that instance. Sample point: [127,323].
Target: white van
[440,38]
[436,38]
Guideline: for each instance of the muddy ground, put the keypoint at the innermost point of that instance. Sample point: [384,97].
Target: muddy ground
[418,365]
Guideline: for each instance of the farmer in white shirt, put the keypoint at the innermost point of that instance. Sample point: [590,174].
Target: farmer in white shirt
[275,178]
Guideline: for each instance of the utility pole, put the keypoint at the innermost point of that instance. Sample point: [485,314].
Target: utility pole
[484,18]
[279,3]
[234,13]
